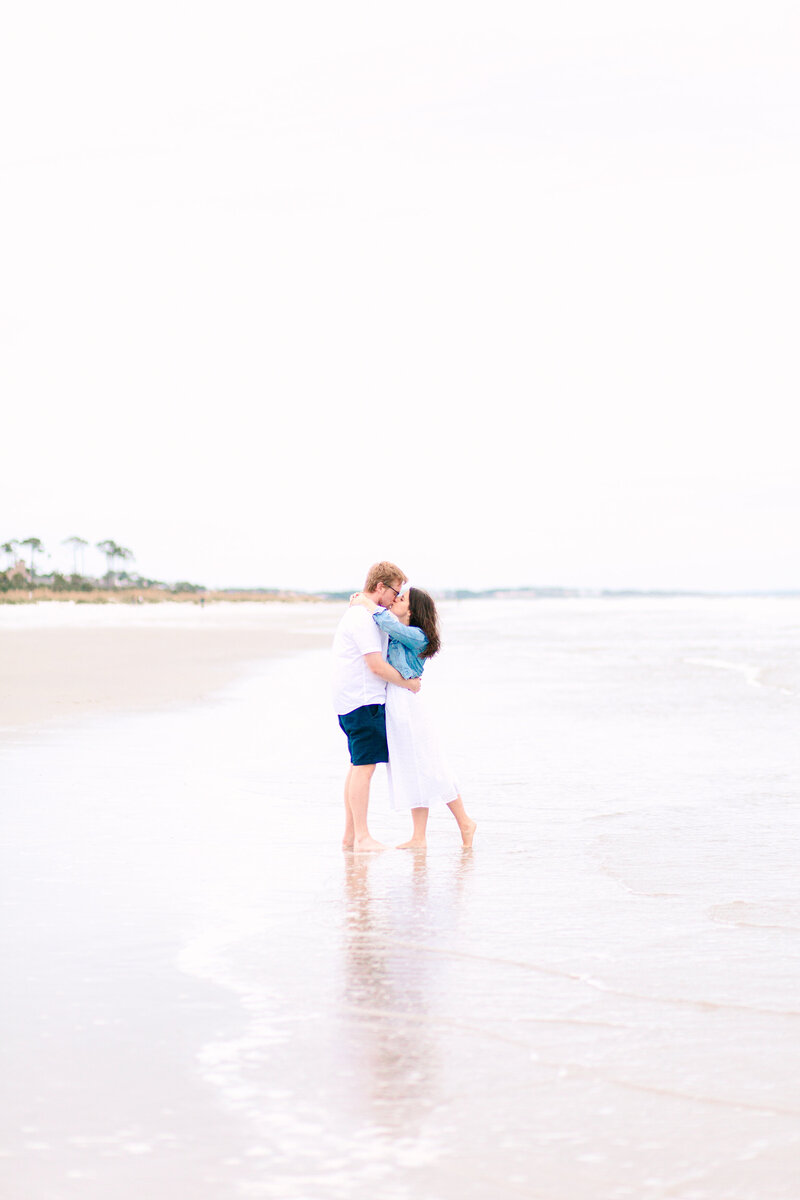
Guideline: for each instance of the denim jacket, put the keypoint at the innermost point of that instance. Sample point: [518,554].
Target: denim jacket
[405,644]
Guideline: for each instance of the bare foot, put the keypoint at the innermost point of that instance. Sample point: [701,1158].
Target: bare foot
[347,845]
[414,844]
[468,833]
[365,845]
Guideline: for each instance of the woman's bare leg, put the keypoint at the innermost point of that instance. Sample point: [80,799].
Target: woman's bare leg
[465,823]
[420,818]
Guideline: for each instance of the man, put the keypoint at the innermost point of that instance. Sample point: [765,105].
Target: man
[360,675]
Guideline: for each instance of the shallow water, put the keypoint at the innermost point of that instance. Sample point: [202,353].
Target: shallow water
[204,997]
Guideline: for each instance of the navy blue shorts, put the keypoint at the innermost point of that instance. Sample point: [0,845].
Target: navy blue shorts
[366,734]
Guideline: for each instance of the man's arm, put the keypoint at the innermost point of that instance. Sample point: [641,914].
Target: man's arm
[384,670]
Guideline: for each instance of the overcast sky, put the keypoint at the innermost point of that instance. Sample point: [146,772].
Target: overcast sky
[505,292]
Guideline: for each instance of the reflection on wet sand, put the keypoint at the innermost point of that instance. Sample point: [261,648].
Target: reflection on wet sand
[390,987]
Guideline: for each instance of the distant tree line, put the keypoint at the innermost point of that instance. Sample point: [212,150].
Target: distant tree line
[18,574]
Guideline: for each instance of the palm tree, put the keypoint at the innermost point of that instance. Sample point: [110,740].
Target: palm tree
[77,543]
[37,547]
[10,550]
[123,554]
[112,551]
[108,548]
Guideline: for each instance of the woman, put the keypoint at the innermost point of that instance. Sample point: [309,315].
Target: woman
[418,774]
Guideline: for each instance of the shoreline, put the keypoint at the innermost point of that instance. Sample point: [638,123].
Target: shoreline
[200,597]
[61,666]
[135,596]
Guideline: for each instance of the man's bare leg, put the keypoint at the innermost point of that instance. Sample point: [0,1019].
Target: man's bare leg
[418,842]
[465,823]
[358,782]
[349,829]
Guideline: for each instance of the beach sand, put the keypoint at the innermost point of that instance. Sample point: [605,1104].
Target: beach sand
[204,999]
[60,662]
[100,1091]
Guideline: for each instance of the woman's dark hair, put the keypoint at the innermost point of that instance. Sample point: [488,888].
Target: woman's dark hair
[422,613]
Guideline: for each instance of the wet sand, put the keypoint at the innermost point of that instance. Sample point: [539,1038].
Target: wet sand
[61,662]
[204,999]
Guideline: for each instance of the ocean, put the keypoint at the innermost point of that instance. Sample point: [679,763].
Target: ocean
[204,997]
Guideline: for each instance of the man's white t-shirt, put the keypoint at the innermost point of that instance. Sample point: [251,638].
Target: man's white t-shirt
[353,683]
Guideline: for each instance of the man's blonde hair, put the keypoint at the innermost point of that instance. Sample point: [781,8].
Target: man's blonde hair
[383,572]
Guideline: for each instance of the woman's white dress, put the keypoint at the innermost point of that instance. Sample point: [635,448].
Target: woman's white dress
[419,775]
